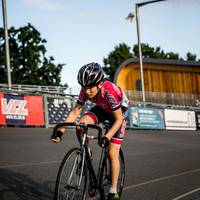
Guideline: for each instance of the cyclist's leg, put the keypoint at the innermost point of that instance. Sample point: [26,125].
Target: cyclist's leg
[93,116]
[114,149]
[89,118]
[79,131]
[115,166]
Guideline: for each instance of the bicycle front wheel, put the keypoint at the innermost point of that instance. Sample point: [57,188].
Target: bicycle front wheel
[71,180]
[105,180]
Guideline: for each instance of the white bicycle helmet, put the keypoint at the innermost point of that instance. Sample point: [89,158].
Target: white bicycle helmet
[90,74]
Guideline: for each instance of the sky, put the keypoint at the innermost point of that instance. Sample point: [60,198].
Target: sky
[83,31]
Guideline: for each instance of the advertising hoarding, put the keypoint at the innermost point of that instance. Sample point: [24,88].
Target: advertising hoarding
[146,118]
[21,110]
[180,119]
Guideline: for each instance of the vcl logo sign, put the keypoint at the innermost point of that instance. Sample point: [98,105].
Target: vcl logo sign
[14,107]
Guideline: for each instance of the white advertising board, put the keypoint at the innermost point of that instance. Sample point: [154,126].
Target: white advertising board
[180,119]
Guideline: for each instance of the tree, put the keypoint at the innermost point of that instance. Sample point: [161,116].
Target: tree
[151,52]
[28,62]
[122,53]
[191,57]
[115,59]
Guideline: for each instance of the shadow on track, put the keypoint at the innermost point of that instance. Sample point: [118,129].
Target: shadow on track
[18,186]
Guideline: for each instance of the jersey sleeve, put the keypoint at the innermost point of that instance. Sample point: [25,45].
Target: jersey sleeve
[113,100]
[82,98]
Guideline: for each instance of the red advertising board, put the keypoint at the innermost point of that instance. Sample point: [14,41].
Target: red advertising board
[21,110]
[2,117]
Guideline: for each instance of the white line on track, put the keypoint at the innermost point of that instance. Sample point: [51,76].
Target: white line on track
[30,164]
[186,194]
[161,179]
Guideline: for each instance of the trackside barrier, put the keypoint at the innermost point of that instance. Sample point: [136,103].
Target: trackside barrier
[21,110]
[44,110]
[48,110]
[146,118]
[57,108]
[163,118]
[180,119]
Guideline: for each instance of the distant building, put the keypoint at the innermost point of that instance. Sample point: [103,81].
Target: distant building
[160,76]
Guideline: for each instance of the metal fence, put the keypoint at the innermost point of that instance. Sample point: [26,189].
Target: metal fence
[165,98]
[34,89]
[57,108]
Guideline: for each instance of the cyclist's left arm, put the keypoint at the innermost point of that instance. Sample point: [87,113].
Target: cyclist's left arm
[117,114]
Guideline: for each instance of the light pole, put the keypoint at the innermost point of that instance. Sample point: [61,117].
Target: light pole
[6,43]
[140,52]
[130,16]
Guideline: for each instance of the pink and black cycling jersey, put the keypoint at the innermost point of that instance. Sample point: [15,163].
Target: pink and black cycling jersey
[110,98]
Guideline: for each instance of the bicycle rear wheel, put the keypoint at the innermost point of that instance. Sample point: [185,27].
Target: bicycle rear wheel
[72,177]
[105,180]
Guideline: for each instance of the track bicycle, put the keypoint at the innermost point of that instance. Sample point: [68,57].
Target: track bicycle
[77,179]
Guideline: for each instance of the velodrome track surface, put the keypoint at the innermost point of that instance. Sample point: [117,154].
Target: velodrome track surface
[160,165]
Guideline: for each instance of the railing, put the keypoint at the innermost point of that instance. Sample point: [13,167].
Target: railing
[35,88]
[165,98]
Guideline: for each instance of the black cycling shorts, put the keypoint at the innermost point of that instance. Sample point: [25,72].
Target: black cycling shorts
[99,115]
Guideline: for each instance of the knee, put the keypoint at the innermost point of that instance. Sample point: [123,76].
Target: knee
[113,153]
[79,130]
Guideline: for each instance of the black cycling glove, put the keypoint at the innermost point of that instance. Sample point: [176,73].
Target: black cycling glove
[104,141]
[57,134]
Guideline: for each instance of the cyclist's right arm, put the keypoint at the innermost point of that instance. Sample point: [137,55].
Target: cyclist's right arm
[72,116]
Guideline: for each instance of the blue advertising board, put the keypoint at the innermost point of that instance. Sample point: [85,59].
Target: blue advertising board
[146,118]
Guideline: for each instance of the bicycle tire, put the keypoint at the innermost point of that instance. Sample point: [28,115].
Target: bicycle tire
[105,180]
[70,174]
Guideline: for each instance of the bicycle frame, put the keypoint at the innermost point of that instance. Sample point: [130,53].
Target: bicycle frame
[93,177]
[98,181]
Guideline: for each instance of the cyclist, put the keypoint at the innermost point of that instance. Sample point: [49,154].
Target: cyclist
[110,104]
